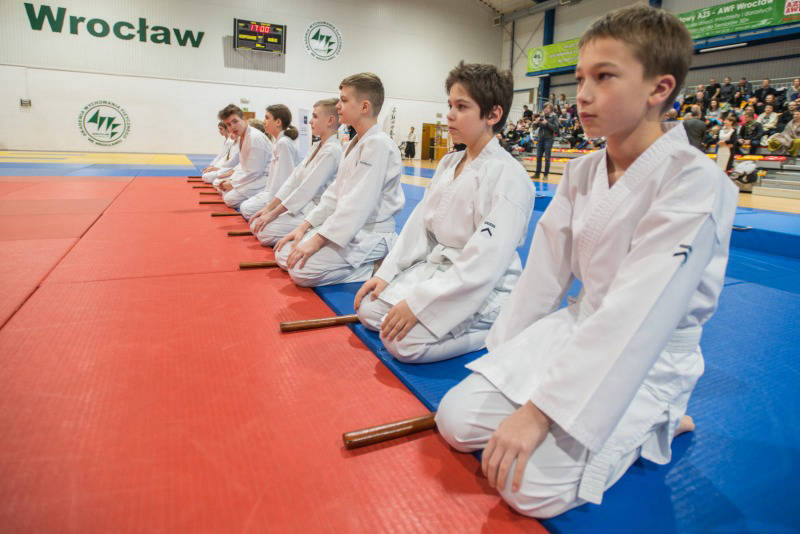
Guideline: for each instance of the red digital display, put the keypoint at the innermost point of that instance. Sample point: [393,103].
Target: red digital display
[262,36]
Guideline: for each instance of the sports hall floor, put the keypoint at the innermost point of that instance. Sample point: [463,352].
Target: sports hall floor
[145,385]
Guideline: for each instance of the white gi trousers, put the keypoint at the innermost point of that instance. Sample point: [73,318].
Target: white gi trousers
[561,467]
[277,229]
[420,345]
[255,203]
[329,266]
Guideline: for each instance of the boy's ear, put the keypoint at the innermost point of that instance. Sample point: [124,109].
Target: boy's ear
[366,107]
[662,88]
[494,116]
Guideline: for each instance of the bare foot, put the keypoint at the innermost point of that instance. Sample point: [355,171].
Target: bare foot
[686,425]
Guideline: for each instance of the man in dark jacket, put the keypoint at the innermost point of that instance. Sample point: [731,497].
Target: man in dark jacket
[547,129]
[695,130]
[751,131]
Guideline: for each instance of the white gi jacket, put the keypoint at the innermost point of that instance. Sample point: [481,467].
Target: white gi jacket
[250,175]
[651,252]
[284,160]
[230,158]
[224,155]
[301,192]
[357,211]
[455,260]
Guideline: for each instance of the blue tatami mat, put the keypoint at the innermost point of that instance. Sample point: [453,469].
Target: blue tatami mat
[739,470]
[767,231]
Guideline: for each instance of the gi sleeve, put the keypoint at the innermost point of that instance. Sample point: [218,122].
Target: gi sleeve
[607,357]
[327,204]
[444,301]
[547,274]
[324,168]
[360,195]
[412,245]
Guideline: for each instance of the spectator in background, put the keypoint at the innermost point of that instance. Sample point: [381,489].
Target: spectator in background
[713,89]
[526,113]
[695,130]
[671,115]
[727,141]
[750,131]
[745,87]
[738,98]
[697,111]
[793,92]
[726,90]
[787,115]
[768,120]
[713,113]
[788,139]
[765,89]
[547,131]
[768,101]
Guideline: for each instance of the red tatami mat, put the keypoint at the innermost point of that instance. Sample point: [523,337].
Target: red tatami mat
[128,245]
[163,195]
[23,264]
[39,226]
[70,188]
[172,404]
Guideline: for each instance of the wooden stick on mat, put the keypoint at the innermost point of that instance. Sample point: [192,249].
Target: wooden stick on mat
[208,193]
[381,433]
[194,181]
[234,233]
[212,202]
[258,264]
[309,324]
[202,187]
[198,176]
[225,214]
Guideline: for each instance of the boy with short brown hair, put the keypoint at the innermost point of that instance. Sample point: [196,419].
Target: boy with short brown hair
[353,225]
[567,399]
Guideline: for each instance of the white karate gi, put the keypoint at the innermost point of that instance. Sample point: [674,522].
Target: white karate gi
[355,214]
[614,370]
[301,192]
[250,175]
[226,160]
[455,262]
[284,160]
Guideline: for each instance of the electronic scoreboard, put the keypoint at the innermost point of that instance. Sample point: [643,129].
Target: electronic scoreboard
[263,36]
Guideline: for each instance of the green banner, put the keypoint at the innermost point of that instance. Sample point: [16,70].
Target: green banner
[740,15]
[554,56]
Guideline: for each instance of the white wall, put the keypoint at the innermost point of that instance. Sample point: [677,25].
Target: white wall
[172,93]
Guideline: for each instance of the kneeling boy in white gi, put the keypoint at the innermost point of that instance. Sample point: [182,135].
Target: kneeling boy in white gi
[301,192]
[353,225]
[567,399]
[278,124]
[228,158]
[255,150]
[455,263]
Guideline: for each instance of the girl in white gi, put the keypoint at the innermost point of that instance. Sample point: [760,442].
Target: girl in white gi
[353,224]
[301,192]
[441,286]
[227,159]
[278,124]
[566,400]
[249,176]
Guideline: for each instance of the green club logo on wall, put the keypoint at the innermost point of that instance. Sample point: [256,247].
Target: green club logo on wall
[323,40]
[104,123]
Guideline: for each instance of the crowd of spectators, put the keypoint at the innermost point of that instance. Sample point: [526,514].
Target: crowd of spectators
[766,120]
[761,120]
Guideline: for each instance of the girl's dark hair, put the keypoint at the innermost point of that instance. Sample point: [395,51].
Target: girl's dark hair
[282,113]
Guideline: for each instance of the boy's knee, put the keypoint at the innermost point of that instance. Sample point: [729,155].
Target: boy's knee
[305,277]
[541,500]
[406,351]
[452,420]
[231,199]
[370,313]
